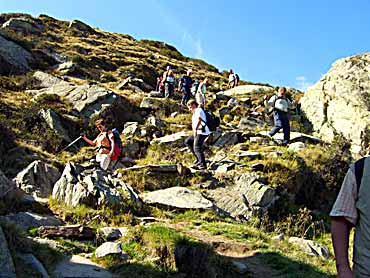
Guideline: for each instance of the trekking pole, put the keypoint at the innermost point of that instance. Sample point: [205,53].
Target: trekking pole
[72,143]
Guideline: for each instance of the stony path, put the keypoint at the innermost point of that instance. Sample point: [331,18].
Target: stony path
[76,266]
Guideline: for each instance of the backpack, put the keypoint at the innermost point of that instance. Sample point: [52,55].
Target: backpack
[117,144]
[359,170]
[237,79]
[194,88]
[212,121]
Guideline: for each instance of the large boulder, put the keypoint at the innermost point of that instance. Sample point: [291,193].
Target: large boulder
[14,59]
[24,25]
[86,100]
[91,187]
[339,103]
[245,198]
[46,80]
[6,261]
[228,138]
[177,197]
[54,122]
[7,187]
[29,220]
[38,179]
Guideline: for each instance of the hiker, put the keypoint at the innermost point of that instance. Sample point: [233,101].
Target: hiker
[351,210]
[185,87]
[160,88]
[279,107]
[200,133]
[169,82]
[200,95]
[233,79]
[105,143]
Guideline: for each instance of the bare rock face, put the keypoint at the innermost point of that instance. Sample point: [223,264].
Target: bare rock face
[339,104]
[7,187]
[14,59]
[24,25]
[81,26]
[38,179]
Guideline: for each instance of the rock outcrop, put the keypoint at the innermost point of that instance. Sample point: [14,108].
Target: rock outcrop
[7,187]
[14,59]
[38,179]
[339,104]
[24,25]
[29,220]
[91,187]
[6,261]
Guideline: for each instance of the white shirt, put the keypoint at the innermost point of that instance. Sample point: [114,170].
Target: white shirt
[199,113]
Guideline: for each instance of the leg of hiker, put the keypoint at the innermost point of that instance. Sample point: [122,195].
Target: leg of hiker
[286,128]
[166,90]
[171,89]
[198,149]
[185,97]
[277,124]
[103,159]
[189,142]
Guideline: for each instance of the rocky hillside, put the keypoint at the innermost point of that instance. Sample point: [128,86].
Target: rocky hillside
[259,209]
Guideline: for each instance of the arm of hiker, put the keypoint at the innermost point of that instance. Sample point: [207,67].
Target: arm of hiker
[87,140]
[111,138]
[269,102]
[199,124]
[340,230]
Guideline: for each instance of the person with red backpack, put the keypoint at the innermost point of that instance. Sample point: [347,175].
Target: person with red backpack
[108,148]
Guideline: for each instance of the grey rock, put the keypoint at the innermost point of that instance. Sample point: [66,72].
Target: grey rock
[24,25]
[297,146]
[135,84]
[81,26]
[7,187]
[227,139]
[46,80]
[233,102]
[246,90]
[14,58]
[53,120]
[257,167]
[294,137]
[108,248]
[240,267]
[38,179]
[112,233]
[310,247]
[153,103]
[339,102]
[248,154]
[155,94]
[250,123]
[29,220]
[77,266]
[259,140]
[223,111]
[225,167]
[92,187]
[132,148]
[32,262]
[175,139]
[153,121]
[67,67]
[279,237]
[6,261]
[178,197]
[131,128]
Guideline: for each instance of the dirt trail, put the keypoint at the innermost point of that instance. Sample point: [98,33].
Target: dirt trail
[237,251]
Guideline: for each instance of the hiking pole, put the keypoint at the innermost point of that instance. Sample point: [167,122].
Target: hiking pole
[69,145]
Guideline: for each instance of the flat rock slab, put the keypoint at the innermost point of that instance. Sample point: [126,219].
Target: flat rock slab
[172,138]
[248,89]
[178,197]
[80,267]
[108,248]
[28,220]
[294,137]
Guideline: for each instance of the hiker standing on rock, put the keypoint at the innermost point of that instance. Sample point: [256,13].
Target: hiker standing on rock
[279,107]
[105,143]
[169,82]
[351,210]
[200,132]
[233,79]
[185,87]
[200,95]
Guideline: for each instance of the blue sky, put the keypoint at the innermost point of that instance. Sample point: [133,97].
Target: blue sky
[286,42]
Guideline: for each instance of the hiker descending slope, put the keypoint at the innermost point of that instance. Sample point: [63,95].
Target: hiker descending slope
[105,143]
[185,87]
[233,79]
[200,95]
[200,132]
[279,107]
[169,82]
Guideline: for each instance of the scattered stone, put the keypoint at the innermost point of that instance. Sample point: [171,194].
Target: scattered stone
[259,140]
[153,121]
[174,114]
[38,179]
[178,197]
[240,267]
[225,167]
[131,128]
[248,154]
[310,247]
[297,146]
[279,237]
[13,58]
[71,231]
[294,137]
[67,67]
[91,187]
[32,262]
[227,139]
[108,248]
[176,139]
[29,220]
[77,266]
[250,123]
[233,102]
[111,233]
[6,261]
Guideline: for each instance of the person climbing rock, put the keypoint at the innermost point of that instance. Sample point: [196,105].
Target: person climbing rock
[233,79]
[351,210]
[105,143]
[200,132]
[160,87]
[200,95]
[185,87]
[279,107]
[169,82]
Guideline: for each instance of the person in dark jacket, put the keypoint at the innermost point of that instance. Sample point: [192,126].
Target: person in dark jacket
[185,87]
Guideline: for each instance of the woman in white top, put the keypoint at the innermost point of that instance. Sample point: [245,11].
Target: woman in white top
[200,132]
[200,96]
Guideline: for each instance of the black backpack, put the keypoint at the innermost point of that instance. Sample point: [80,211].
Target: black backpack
[212,121]
[359,170]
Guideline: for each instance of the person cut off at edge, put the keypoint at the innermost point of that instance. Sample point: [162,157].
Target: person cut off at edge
[105,143]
